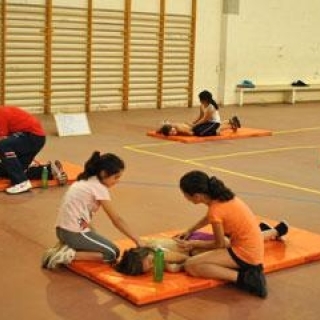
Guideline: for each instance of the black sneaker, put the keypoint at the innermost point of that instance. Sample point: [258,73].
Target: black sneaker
[264,226]
[253,280]
[236,121]
[233,125]
[282,228]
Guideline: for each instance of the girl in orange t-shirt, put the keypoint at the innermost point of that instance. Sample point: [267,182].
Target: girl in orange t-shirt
[236,253]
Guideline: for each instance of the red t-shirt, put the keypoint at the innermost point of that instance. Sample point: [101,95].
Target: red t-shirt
[242,228]
[14,119]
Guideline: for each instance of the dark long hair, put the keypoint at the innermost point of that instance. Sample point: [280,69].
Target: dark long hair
[165,129]
[199,182]
[108,162]
[131,261]
[207,96]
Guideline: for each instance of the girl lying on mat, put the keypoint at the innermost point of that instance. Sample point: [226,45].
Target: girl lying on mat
[77,239]
[136,261]
[208,122]
[235,253]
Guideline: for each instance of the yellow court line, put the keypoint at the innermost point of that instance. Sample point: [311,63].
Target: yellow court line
[296,130]
[153,144]
[268,181]
[249,153]
[238,174]
[150,153]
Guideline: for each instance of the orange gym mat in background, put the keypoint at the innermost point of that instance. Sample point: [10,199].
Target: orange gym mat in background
[224,135]
[71,169]
[299,247]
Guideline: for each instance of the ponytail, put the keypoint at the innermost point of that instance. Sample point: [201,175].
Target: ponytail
[199,182]
[218,190]
[207,96]
[97,163]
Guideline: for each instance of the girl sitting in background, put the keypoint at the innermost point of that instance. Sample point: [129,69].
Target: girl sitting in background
[208,122]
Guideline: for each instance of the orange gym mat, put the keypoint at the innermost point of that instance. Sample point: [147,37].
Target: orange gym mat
[299,247]
[224,135]
[71,169]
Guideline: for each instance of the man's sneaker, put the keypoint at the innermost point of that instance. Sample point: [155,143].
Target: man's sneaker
[49,253]
[20,187]
[253,280]
[59,173]
[236,121]
[282,228]
[63,256]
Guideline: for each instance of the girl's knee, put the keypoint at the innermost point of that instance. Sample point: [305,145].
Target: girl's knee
[117,251]
[111,255]
[190,267]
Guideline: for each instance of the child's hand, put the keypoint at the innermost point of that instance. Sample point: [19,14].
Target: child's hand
[182,236]
[185,245]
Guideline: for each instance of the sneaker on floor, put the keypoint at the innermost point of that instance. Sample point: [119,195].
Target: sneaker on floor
[59,173]
[63,256]
[236,121]
[282,228]
[233,125]
[49,253]
[264,226]
[253,280]
[20,187]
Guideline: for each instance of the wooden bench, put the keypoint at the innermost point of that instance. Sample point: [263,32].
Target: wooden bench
[289,91]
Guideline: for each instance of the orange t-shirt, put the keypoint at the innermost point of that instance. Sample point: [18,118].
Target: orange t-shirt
[241,226]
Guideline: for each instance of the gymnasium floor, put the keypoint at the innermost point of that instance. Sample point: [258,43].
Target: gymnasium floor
[278,176]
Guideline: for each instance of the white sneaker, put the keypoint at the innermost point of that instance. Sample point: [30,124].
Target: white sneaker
[20,187]
[49,253]
[63,256]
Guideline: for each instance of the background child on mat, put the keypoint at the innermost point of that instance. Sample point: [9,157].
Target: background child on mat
[208,123]
[185,129]
[21,139]
[91,190]
[239,256]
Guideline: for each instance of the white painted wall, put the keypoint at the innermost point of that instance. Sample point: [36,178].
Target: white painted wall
[268,42]
[272,42]
[207,57]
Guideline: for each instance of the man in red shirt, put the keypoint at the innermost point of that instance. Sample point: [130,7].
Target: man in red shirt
[21,138]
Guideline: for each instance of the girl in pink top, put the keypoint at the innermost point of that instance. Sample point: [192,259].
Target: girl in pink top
[236,253]
[77,240]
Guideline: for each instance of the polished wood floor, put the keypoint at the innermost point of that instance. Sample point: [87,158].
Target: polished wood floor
[278,176]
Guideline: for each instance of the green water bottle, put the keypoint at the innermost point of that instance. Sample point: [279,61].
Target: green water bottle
[44,177]
[158,265]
